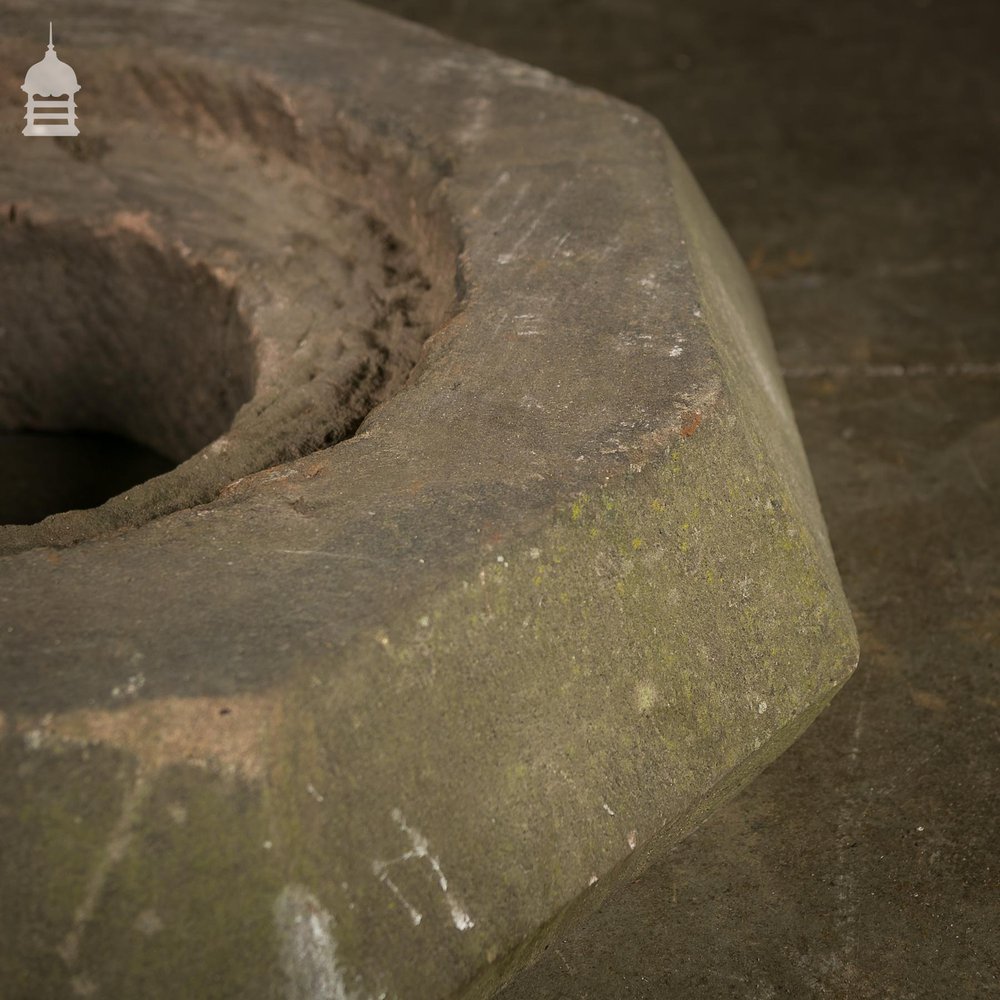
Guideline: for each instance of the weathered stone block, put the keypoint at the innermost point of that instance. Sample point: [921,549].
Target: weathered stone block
[374,718]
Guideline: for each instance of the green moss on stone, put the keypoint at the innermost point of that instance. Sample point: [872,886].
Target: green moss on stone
[580,668]
[188,908]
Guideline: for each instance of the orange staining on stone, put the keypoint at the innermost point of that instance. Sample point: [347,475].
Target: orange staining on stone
[230,733]
[692,421]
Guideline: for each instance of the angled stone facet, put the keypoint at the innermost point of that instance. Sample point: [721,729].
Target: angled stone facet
[376,718]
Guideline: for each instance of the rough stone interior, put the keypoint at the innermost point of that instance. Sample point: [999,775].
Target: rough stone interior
[106,332]
[227,293]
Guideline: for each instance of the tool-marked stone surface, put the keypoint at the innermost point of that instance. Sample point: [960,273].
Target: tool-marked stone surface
[375,718]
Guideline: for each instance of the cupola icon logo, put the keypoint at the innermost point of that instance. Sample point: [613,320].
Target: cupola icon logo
[50,78]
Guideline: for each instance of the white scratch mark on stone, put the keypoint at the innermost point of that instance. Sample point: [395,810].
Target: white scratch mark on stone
[558,247]
[542,212]
[415,915]
[420,850]
[308,948]
[480,113]
[114,850]
[515,201]
[130,688]
[526,323]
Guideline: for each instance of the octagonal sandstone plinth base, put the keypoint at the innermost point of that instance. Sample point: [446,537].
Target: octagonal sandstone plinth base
[491,560]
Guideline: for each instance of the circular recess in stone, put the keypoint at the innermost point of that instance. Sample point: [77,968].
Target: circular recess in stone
[108,333]
[232,293]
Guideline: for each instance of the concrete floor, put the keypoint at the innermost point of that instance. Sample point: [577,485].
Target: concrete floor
[851,148]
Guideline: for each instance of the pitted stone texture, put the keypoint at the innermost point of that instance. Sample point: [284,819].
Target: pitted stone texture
[222,256]
[377,721]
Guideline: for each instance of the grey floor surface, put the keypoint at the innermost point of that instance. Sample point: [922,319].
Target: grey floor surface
[853,151]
